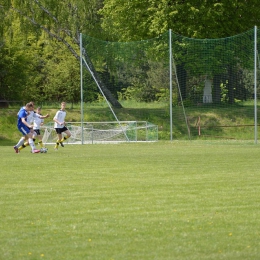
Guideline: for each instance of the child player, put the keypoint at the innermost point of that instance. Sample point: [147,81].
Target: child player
[60,126]
[25,128]
[35,118]
[37,123]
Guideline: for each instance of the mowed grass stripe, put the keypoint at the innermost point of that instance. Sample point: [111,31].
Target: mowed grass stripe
[165,200]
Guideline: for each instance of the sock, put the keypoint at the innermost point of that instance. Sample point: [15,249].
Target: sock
[20,142]
[63,139]
[23,146]
[57,144]
[31,143]
[40,143]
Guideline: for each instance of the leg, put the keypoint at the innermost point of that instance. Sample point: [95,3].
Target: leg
[58,141]
[40,140]
[19,144]
[68,135]
[31,143]
[27,143]
[23,145]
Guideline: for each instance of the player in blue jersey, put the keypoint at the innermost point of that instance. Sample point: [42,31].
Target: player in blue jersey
[60,126]
[25,128]
[38,120]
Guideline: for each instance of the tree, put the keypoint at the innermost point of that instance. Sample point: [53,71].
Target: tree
[63,78]
[62,21]
[136,20]
[17,60]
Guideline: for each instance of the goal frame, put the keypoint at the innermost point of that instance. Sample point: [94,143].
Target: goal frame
[104,132]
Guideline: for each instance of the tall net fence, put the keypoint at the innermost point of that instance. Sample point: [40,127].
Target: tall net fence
[216,79]
[212,86]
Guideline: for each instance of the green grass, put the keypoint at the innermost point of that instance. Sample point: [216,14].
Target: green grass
[164,200]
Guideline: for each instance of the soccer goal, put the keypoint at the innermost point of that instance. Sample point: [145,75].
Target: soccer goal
[105,132]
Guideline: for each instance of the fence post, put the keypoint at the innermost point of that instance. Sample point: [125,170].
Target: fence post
[255,82]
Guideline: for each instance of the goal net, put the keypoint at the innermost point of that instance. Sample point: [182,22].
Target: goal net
[105,132]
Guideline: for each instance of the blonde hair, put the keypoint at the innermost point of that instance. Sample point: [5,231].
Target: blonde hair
[29,105]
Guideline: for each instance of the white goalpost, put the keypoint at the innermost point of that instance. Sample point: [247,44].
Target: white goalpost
[104,132]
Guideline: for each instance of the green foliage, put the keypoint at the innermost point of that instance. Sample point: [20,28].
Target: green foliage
[40,39]
[52,73]
[63,79]
[144,93]
[16,66]
[135,20]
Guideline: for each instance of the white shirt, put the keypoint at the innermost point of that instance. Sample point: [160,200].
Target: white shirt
[37,121]
[60,116]
[30,118]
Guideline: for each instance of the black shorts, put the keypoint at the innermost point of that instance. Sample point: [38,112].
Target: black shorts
[37,131]
[61,130]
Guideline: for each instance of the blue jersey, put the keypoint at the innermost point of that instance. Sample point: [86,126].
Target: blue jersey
[22,114]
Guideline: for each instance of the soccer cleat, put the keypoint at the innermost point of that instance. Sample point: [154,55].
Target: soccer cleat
[16,149]
[61,143]
[35,151]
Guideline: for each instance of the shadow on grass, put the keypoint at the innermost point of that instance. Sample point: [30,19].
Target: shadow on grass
[6,141]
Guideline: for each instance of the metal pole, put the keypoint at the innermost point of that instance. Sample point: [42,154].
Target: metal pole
[81,91]
[170,67]
[255,83]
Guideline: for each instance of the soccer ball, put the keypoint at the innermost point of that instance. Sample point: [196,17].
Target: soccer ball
[43,150]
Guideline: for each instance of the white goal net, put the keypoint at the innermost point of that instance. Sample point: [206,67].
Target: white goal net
[105,132]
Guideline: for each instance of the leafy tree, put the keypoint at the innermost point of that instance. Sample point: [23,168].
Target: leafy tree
[135,20]
[63,75]
[62,21]
[16,63]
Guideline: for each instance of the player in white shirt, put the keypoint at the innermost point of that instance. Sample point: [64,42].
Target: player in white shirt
[60,126]
[37,123]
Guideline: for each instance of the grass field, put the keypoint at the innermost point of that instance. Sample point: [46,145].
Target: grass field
[164,200]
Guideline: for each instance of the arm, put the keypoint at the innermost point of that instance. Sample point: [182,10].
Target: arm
[55,119]
[58,122]
[42,117]
[24,122]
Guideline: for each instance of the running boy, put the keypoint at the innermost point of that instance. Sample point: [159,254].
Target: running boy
[38,120]
[37,123]
[25,128]
[60,126]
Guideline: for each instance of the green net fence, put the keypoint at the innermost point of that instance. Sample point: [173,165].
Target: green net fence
[209,85]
